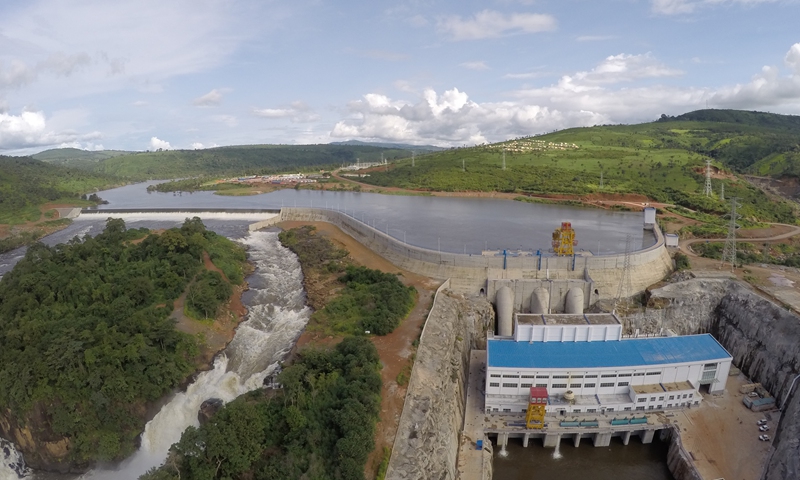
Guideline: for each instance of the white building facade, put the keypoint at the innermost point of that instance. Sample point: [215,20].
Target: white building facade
[587,367]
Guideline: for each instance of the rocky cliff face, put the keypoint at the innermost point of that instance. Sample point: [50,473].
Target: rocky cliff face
[42,450]
[763,338]
[427,439]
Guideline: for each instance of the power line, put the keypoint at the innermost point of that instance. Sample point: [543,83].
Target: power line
[625,288]
[729,252]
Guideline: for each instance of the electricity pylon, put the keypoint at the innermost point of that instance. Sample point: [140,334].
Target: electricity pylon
[729,252]
[708,190]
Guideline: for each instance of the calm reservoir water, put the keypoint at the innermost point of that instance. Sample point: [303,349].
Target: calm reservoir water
[459,225]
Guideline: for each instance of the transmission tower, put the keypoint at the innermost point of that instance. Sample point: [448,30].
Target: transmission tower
[722,192]
[708,179]
[729,252]
[625,288]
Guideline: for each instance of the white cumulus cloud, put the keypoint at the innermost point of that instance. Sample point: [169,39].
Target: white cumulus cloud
[491,24]
[29,129]
[210,99]
[625,68]
[156,144]
[297,112]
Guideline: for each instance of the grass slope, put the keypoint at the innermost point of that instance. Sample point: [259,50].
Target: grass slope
[239,160]
[663,160]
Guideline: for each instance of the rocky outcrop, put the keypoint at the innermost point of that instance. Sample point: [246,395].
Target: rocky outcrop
[43,450]
[426,445]
[762,337]
[208,409]
[679,461]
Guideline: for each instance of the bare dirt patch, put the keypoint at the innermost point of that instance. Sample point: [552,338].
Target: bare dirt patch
[722,435]
[396,349]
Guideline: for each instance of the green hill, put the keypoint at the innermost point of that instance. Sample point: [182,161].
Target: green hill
[664,160]
[238,160]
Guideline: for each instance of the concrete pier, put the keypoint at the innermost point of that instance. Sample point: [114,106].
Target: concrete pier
[647,436]
[602,439]
[577,440]
[626,438]
[525,439]
[551,440]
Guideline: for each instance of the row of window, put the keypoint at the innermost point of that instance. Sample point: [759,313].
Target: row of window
[671,397]
[605,375]
[611,409]
[563,385]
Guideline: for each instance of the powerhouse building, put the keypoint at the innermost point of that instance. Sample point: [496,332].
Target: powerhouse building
[587,366]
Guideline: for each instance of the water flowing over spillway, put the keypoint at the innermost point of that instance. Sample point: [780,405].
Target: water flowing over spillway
[277,315]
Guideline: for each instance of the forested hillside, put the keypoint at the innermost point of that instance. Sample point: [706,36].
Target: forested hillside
[25,184]
[664,160]
[319,425]
[86,341]
[235,160]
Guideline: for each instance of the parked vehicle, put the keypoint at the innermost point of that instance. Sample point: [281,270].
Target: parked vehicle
[763,428]
[763,421]
[764,438]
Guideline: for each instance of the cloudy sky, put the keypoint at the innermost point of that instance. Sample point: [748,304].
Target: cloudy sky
[146,74]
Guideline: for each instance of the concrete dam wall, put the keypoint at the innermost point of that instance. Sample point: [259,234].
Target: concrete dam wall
[763,338]
[469,273]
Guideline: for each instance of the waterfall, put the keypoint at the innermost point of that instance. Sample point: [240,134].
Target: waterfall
[276,318]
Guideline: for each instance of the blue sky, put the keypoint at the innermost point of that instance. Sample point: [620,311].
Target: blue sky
[146,74]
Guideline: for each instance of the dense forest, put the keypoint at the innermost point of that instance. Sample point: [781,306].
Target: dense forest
[320,425]
[85,336]
[367,300]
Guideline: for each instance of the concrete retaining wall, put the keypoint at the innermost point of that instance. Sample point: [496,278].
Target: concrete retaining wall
[679,461]
[469,273]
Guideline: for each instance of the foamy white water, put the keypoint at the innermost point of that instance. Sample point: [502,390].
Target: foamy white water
[277,315]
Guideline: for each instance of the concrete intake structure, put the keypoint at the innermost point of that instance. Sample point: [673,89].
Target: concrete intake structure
[470,274]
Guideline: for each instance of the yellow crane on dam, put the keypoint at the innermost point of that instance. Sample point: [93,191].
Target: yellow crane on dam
[564,241]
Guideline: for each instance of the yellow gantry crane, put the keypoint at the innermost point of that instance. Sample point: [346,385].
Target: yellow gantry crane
[536,407]
[564,239]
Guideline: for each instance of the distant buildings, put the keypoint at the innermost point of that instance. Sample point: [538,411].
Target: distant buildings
[284,179]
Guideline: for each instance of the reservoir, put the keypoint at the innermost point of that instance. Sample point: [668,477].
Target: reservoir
[451,224]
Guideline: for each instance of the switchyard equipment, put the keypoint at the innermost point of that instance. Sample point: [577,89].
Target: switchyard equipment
[536,407]
[564,240]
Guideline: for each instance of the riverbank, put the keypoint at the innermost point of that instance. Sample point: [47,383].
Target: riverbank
[396,349]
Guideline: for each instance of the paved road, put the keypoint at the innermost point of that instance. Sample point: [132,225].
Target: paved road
[685,244]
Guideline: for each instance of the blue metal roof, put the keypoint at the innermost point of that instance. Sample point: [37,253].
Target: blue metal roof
[617,353]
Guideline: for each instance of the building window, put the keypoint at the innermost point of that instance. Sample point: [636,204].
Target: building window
[641,400]
[639,408]
[669,405]
[608,375]
[577,376]
[510,385]
[591,410]
[590,376]
[684,395]
[641,374]
[660,407]
[653,373]
[510,376]
[507,410]
[494,409]
[710,366]
[624,374]
[652,399]
[589,385]
[494,384]
[528,376]
[542,376]
[661,398]
[574,385]
[495,375]
[650,407]
[610,409]
[526,385]
[627,409]
[577,410]
[560,376]
[541,385]
[609,384]
[691,395]
[559,385]
[672,397]
[524,410]
[622,384]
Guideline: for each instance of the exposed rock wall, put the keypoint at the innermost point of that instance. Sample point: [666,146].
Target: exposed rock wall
[43,450]
[679,462]
[426,445]
[762,337]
